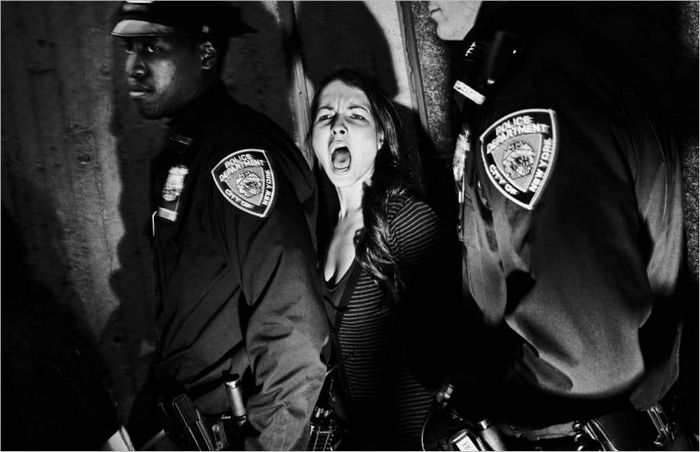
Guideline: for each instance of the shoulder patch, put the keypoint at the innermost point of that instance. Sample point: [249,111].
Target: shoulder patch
[245,179]
[518,152]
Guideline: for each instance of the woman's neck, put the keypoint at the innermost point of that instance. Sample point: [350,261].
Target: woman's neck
[350,200]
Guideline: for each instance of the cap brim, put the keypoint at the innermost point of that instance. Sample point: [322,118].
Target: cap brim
[131,27]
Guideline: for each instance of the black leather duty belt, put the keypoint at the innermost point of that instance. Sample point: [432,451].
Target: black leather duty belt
[626,429]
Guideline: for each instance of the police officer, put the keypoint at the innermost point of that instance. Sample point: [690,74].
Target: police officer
[233,205]
[571,224]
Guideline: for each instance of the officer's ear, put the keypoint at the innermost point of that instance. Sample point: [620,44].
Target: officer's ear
[208,54]
[380,140]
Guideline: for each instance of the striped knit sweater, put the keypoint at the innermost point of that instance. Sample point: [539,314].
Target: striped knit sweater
[385,403]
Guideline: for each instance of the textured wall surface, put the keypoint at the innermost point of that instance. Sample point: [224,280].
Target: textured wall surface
[687,52]
[74,171]
[76,156]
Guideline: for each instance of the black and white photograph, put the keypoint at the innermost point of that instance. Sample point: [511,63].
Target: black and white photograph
[349,225]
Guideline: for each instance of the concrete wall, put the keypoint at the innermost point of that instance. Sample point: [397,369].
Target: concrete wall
[75,154]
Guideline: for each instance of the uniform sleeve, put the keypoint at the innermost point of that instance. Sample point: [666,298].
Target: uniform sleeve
[589,269]
[287,327]
[656,167]
[657,177]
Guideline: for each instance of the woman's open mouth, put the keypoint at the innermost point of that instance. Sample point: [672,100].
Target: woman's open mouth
[341,159]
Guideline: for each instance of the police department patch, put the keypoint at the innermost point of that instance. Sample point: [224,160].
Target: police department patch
[518,152]
[246,180]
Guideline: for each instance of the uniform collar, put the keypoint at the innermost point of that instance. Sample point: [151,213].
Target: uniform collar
[500,26]
[187,128]
[471,71]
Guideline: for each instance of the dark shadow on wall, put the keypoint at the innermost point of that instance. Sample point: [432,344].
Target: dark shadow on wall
[56,389]
[51,360]
[346,34]
[258,68]
[130,329]
[255,75]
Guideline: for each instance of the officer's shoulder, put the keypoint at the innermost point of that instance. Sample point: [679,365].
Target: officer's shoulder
[243,134]
[250,159]
[243,128]
[245,123]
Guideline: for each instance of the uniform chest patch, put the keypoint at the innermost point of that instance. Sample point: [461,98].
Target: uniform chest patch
[518,152]
[246,180]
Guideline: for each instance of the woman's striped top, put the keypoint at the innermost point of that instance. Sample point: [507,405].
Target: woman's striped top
[386,403]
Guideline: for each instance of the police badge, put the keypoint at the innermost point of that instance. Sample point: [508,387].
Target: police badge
[171,192]
[246,180]
[518,152]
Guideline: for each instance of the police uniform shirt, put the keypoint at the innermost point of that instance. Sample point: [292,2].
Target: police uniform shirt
[236,269]
[572,231]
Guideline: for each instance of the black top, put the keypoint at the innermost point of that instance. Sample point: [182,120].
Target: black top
[239,288]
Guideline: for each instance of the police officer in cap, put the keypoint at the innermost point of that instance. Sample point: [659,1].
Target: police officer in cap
[233,206]
[572,232]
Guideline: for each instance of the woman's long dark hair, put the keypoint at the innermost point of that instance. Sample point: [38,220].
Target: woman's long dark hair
[392,177]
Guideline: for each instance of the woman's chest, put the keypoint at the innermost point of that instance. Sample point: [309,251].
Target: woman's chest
[341,251]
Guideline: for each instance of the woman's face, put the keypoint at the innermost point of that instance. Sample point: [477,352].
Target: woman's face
[345,138]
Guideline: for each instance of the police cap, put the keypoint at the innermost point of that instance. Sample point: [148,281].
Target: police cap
[162,18]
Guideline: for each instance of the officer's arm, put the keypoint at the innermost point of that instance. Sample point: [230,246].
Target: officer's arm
[287,327]
[656,166]
[586,295]
[657,176]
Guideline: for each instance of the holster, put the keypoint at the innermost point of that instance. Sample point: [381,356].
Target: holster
[191,430]
[630,429]
[183,423]
[623,429]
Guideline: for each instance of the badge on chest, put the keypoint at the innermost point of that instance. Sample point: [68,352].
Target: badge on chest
[518,152]
[172,192]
